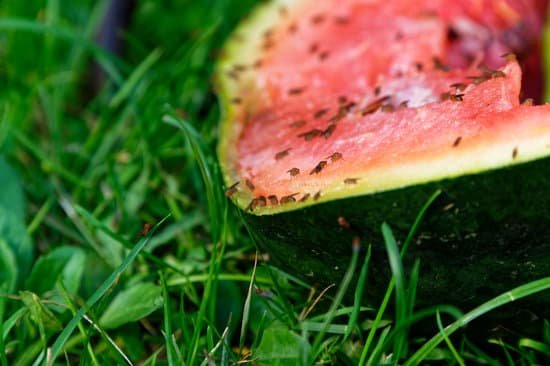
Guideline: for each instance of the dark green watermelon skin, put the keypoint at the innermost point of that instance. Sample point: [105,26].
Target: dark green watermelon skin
[484,235]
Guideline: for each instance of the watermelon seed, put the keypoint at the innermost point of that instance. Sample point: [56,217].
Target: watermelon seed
[305,197]
[292,28]
[515,153]
[335,157]
[233,75]
[419,66]
[377,90]
[320,113]
[329,130]
[317,19]
[257,64]
[296,91]
[351,180]
[239,68]
[314,47]
[289,198]
[282,154]
[341,20]
[317,196]
[231,190]
[323,55]
[273,199]
[342,99]
[343,222]
[297,124]
[457,141]
[268,33]
[268,44]
[320,166]
[293,172]
[250,185]
[311,134]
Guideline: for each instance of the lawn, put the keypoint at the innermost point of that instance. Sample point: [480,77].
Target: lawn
[117,243]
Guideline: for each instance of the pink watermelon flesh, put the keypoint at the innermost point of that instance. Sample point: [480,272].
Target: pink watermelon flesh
[446,89]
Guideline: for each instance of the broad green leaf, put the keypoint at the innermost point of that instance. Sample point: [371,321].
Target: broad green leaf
[39,313]
[281,346]
[132,304]
[48,268]
[74,270]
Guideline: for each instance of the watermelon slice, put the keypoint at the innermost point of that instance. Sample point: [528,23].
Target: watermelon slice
[339,115]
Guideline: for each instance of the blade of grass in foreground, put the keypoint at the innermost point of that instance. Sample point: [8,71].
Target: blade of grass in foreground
[387,295]
[98,294]
[505,298]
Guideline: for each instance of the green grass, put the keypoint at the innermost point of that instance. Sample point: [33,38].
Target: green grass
[117,245]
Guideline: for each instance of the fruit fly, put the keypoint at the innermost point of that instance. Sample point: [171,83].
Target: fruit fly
[329,131]
[351,180]
[250,185]
[311,134]
[373,106]
[293,172]
[288,199]
[335,156]
[298,123]
[282,154]
[273,199]
[343,222]
[145,229]
[295,91]
[457,141]
[320,113]
[305,197]
[231,190]
[320,166]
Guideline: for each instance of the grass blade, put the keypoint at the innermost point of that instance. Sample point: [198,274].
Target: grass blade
[358,297]
[452,348]
[505,298]
[387,295]
[98,294]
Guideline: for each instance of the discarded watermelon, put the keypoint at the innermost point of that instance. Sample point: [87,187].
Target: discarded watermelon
[341,115]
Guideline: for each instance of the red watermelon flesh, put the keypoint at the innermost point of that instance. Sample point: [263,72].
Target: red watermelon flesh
[352,97]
